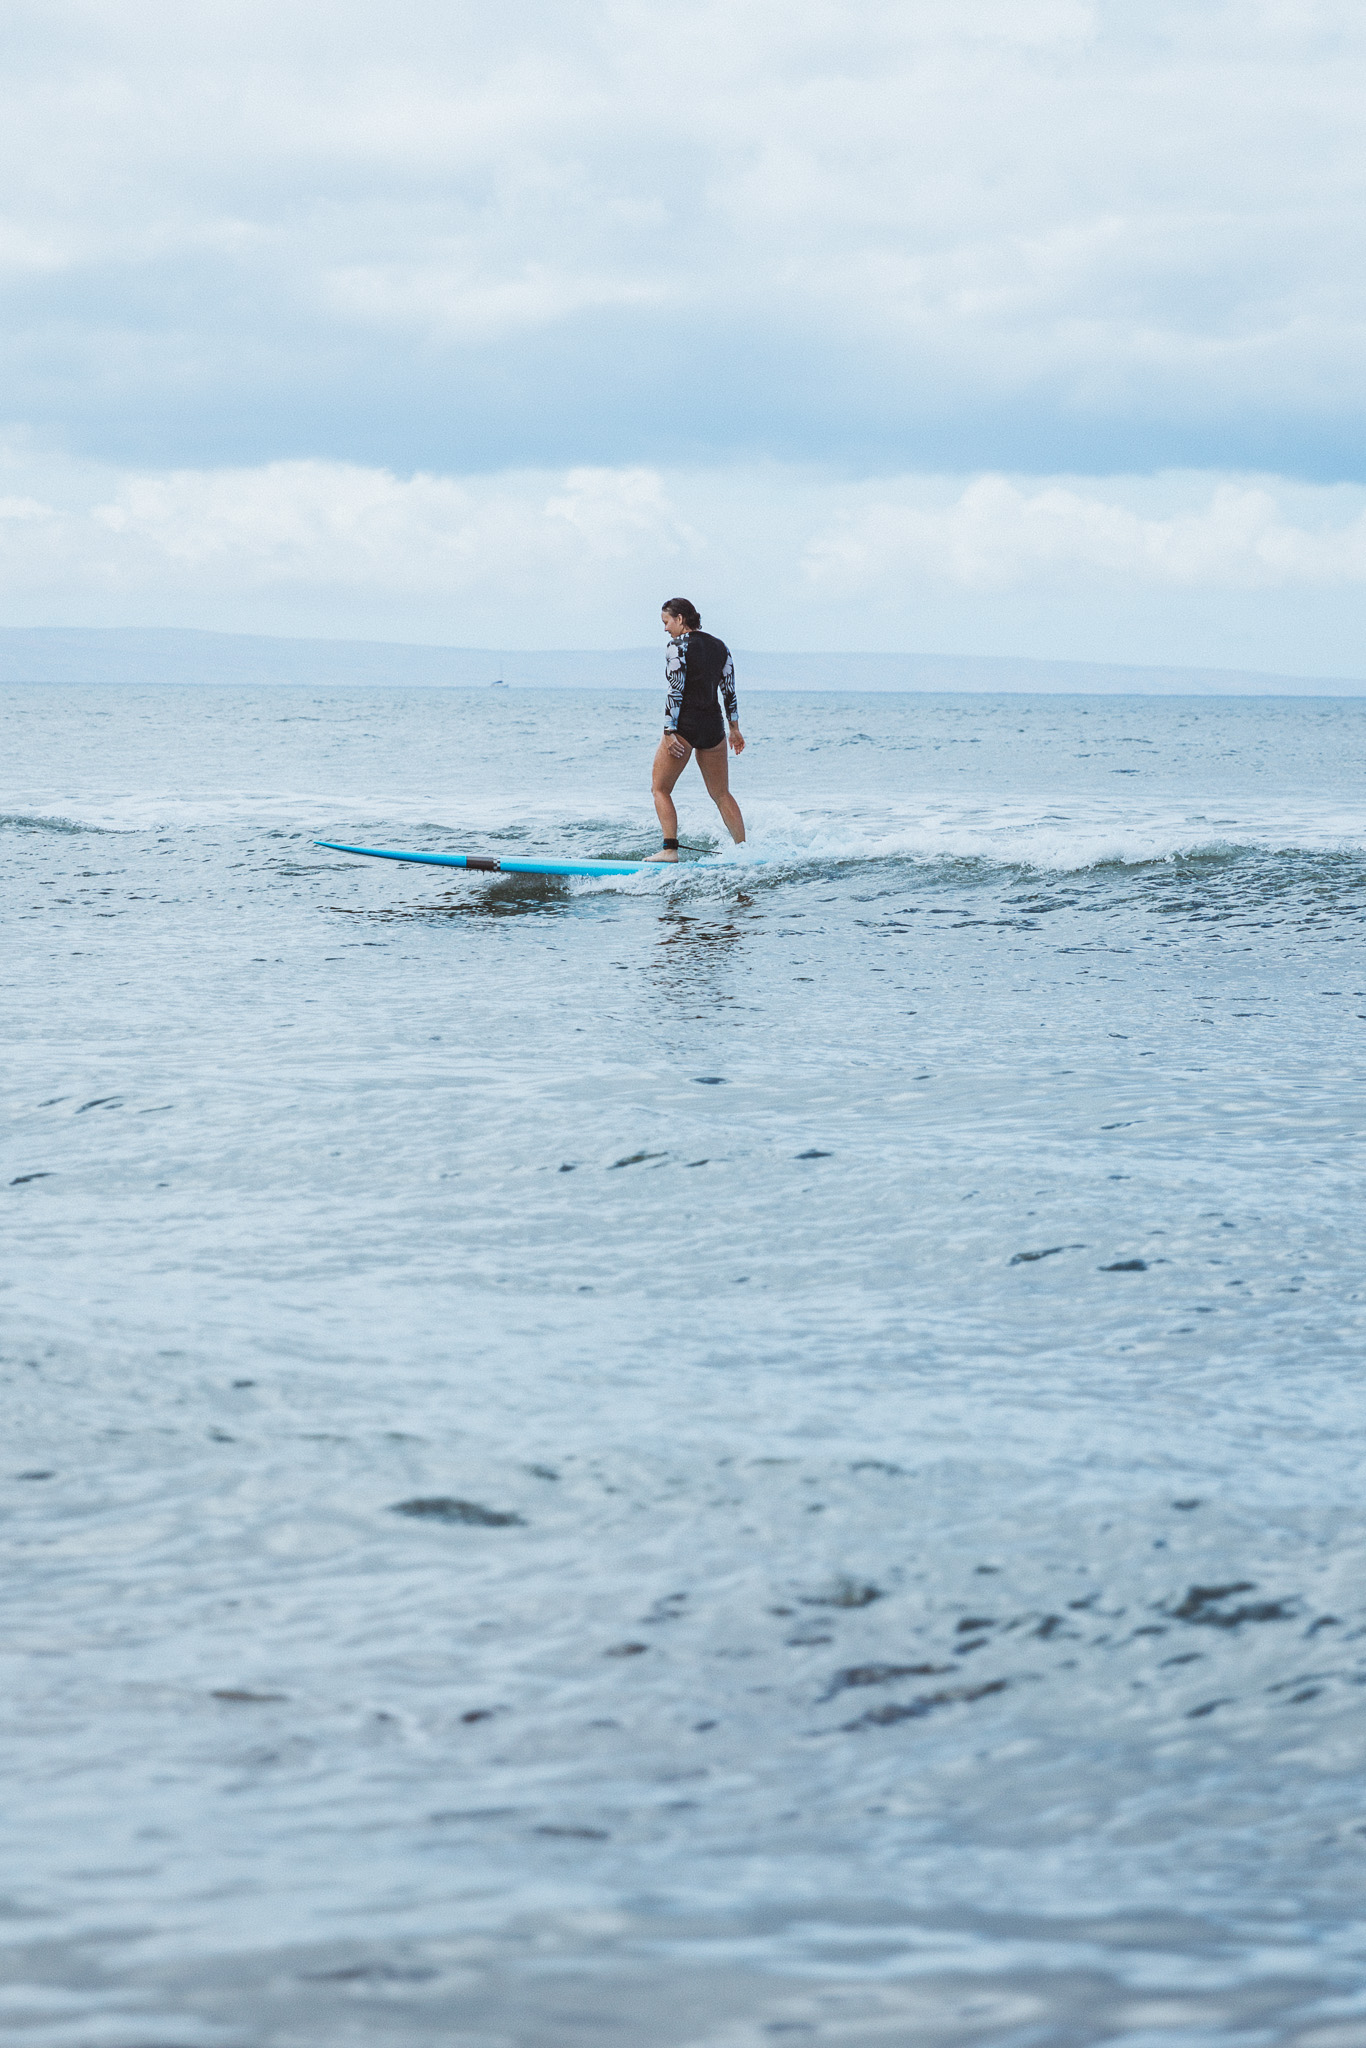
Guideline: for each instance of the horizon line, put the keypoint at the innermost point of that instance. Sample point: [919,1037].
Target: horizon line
[498,654]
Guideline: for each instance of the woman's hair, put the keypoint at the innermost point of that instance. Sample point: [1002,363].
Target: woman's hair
[682,608]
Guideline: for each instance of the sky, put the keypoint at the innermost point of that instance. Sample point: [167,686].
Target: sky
[1027,327]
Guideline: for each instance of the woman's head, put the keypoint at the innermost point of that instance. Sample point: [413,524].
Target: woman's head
[680,615]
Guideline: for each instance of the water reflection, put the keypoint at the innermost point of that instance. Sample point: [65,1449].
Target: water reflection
[696,955]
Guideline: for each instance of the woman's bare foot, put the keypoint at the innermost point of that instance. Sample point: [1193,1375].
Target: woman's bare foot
[670,853]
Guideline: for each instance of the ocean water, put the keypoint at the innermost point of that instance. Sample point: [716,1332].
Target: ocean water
[764,1453]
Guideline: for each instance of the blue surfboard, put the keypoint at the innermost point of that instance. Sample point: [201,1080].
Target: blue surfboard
[504,866]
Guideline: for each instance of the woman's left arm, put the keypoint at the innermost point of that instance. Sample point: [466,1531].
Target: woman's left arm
[733,733]
[728,690]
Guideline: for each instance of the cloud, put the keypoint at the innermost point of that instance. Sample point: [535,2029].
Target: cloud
[319,524]
[1034,235]
[24,508]
[996,533]
[346,548]
[1183,568]
[1030,326]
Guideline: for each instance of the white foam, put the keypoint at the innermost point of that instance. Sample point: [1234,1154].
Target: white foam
[1061,833]
[1048,838]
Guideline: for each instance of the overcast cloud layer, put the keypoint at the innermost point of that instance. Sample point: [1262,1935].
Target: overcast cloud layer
[897,324]
[1248,573]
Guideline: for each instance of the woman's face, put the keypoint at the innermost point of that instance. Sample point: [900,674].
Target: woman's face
[674,626]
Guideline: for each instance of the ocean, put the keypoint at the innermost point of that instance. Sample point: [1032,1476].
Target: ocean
[728,1455]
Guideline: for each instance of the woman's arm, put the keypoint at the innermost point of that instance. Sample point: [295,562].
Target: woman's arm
[675,674]
[734,735]
[728,691]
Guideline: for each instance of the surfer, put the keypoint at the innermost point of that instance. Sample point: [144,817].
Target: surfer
[696,667]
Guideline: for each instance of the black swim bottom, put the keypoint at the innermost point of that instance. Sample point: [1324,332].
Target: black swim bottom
[704,730]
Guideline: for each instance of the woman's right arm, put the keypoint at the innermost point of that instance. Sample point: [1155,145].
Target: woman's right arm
[675,672]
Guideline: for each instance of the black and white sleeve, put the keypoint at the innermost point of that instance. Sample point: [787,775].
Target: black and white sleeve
[728,690]
[675,674]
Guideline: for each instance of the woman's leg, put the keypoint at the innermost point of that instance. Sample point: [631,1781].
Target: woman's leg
[669,765]
[716,774]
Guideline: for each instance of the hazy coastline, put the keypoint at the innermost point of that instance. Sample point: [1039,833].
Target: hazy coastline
[155,655]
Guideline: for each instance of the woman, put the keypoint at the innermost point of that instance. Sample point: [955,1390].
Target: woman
[698,665]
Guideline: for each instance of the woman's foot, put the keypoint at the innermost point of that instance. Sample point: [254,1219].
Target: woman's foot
[669,853]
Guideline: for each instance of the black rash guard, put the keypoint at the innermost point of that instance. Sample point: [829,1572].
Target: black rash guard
[696,667]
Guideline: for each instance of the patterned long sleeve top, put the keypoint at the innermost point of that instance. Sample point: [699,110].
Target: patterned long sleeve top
[676,675]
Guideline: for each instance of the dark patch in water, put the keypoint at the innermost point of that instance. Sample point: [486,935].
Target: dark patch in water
[973,1622]
[814,1154]
[100,1102]
[542,1472]
[1049,1252]
[881,1674]
[237,1697]
[710,1080]
[916,1710]
[21,1180]
[1125,1266]
[636,1159]
[380,1973]
[577,1834]
[1201,1607]
[1199,1713]
[627,1650]
[847,1593]
[441,1508]
[473,1813]
[35,1475]
[1185,1506]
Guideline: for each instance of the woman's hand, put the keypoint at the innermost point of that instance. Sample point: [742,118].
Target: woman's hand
[677,746]
[737,739]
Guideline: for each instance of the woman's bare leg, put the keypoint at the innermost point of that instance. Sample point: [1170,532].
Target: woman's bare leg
[669,765]
[716,774]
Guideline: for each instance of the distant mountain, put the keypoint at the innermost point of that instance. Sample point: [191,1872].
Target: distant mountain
[159,656]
